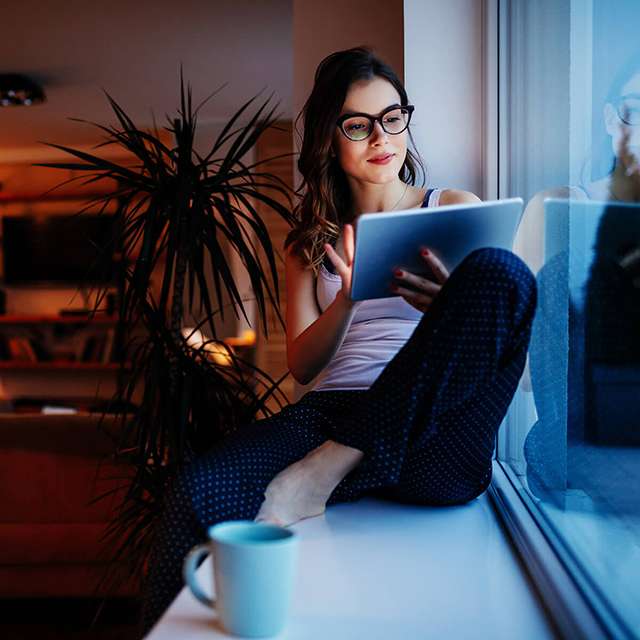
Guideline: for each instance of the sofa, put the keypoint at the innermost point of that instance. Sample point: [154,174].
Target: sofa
[51,467]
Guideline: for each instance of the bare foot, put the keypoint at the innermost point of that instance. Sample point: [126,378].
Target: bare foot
[302,489]
[292,496]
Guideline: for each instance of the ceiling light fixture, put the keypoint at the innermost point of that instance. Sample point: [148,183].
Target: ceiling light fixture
[17,89]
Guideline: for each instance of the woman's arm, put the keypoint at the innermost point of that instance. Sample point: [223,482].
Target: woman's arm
[313,337]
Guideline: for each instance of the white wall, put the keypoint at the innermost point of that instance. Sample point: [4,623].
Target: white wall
[443,77]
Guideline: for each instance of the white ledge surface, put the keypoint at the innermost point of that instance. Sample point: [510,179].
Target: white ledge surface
[380,570]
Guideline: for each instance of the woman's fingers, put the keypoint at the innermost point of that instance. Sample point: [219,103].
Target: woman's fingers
[338,263]
[420,301]
[438,269]
[348,241]
[423,284]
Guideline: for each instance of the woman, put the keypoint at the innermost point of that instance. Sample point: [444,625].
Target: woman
[414,386]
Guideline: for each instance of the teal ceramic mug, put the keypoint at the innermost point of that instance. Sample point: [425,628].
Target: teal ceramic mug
[253,572]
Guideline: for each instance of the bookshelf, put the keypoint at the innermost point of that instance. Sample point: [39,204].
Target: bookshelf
[54,355]
[57,341]
[64,357]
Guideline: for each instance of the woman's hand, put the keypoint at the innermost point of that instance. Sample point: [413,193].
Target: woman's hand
[345,269]
[427,289]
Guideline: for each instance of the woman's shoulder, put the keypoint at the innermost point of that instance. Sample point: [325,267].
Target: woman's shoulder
[457,196]
[295,261]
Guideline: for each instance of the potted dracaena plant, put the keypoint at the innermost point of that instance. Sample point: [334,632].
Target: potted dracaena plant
[174,204]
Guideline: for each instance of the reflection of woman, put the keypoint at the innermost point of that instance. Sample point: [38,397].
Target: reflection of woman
[621,112]
[558,336]
[413,386]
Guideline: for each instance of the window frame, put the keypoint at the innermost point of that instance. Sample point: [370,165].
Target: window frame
[547,560]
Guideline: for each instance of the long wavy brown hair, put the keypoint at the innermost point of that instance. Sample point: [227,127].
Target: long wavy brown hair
[325,197]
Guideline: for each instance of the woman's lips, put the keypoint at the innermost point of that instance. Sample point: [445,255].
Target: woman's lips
[383,160]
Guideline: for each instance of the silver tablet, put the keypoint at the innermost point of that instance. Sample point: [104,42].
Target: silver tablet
[385,241]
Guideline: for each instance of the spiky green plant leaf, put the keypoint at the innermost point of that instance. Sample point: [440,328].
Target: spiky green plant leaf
[178,205]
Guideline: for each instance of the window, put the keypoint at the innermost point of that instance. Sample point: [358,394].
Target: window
[568,79]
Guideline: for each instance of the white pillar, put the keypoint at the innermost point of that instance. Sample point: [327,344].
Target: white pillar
[443,57]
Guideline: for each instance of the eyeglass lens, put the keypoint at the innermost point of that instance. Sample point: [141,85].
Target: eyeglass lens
[629,110]
[359,127]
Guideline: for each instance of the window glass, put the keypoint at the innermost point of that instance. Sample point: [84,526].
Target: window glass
[569,98]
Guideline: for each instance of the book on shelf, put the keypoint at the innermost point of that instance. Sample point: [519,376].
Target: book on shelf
[92,349]
[21,349]
[99,347]
[87,349]
[107,352]
[42,353]
[5,354]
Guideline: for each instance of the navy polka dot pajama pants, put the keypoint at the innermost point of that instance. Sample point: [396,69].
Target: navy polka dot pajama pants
[427,424]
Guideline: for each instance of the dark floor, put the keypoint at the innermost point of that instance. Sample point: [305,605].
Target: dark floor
[68,619]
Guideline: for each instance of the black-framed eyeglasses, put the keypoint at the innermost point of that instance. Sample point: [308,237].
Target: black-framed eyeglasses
[359,126]
[628,108]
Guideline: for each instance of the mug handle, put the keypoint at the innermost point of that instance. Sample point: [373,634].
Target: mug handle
[189,567]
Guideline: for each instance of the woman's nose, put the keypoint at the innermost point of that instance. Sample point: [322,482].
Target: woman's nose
[378,131]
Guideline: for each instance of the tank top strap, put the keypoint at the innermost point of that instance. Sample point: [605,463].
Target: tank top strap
[425,202]
[432,197]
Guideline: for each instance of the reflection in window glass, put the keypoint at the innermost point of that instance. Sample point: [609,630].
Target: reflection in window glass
[570,136]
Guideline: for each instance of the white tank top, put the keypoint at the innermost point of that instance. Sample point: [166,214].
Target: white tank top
[378,330]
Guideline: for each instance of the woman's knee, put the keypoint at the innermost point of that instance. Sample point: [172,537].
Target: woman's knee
[494,272]
[501,263]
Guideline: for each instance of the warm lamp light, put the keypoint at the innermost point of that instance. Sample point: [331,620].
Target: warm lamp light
[247,338]
[216,351]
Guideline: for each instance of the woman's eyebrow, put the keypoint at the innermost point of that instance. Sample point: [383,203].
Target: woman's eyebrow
[354,112]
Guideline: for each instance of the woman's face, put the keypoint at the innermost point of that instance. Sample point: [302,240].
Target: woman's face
[371,97]
[630,96]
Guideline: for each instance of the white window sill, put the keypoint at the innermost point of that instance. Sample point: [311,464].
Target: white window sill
[381,570]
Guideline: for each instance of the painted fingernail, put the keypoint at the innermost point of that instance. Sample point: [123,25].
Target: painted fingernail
[398,273]
[425,252]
